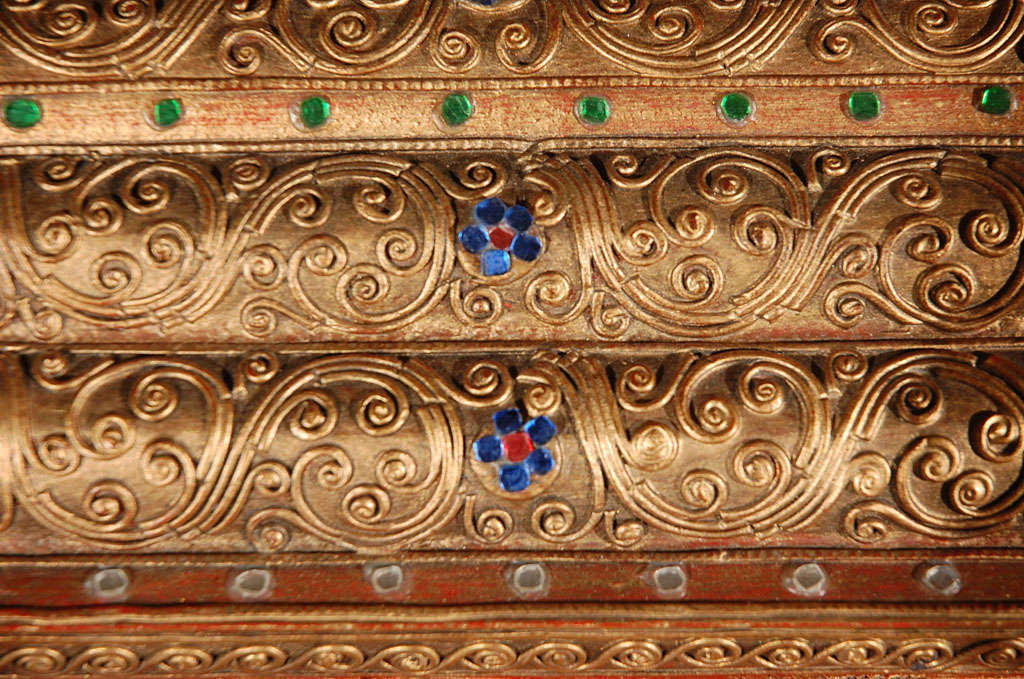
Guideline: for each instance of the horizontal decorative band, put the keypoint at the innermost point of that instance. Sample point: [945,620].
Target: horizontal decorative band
[605,640]
[488,577]
[437,38]
[241,452]
[270,115]
[718,243]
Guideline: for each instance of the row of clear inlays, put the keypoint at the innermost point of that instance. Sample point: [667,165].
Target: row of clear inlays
[455,109]
[529,580]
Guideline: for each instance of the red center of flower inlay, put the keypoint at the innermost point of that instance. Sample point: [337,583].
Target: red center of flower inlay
[517,446]
[501,238]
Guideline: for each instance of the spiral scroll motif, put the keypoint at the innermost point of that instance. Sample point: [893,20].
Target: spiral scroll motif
[136,38]
[730,242]
[667,273]
[177,272]
[921,36]
[364,450]
[116,515]
[79,38]
[488,656]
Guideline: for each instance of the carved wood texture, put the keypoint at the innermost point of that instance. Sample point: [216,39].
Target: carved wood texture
[239,343]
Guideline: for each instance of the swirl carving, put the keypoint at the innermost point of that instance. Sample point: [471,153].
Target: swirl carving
[120,38]
[362,451]
[924,268]
[732,241]
[487,656]
[926,35]
[366,37]
[140,38]
[190,493]
[148,267]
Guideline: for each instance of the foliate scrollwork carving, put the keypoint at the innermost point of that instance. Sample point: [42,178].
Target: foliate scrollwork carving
[495,656]
[701,244]
[135,38]
[927,35]
[113,38]
[365,451]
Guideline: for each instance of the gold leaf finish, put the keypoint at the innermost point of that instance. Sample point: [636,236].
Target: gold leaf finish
[709,244]
[511,338]
[348,451]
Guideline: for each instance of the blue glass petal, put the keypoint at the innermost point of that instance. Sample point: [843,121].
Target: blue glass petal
[487,449]
[508,420]
[495,263]
[540,461]
[474,239]
[514,477]
[518,217]
[490,211]
[541,430]
[526,247]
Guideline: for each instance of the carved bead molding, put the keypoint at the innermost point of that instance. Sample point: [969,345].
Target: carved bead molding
[291,451]
[713,244]
[431,38]
[605,640]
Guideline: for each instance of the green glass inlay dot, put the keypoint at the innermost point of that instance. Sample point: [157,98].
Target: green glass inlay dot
[166,112]
[736,106]
[593,110]
[996,100]
[864,105]
[456,109]
[314,111]
[22,113]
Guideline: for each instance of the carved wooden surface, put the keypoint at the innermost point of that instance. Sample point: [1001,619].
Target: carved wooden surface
[652,638]
[738,447]
[431,38]
[715,244]
[238,345]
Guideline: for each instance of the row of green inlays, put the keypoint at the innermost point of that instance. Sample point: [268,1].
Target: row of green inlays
[735,107]
[457,108]
[23,113]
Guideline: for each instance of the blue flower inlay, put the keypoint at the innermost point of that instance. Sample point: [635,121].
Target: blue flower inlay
[507,421]
[487,449]
[540,461]
[500,233]
[514,477]
[541,429]
[518,448]
[495,263]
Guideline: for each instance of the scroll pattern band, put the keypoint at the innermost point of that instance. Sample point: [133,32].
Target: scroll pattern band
[497,657]
[714,243]
[271,452]
[136,38]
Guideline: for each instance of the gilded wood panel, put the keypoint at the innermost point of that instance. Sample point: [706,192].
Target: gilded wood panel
[237,344]
[741,447]
[714,243]
[431,38]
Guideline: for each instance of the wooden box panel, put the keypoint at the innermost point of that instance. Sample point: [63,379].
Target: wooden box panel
[245,363]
